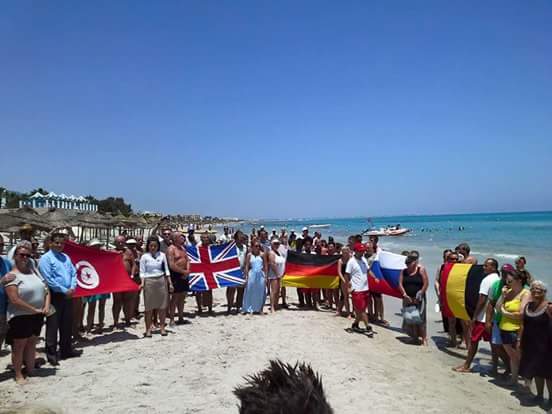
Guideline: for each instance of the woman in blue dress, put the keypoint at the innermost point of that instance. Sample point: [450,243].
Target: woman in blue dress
[255,280]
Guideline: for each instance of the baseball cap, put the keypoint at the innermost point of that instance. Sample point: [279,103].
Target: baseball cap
[305,229]
[359,247]
[94,242]
[507,268]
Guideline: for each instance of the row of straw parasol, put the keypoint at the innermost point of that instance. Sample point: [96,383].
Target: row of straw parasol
[87,225]
[84,225]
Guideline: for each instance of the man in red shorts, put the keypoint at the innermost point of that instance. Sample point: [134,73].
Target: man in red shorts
[357,273]
[479,331]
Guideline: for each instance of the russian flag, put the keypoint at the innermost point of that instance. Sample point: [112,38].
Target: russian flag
[387,268]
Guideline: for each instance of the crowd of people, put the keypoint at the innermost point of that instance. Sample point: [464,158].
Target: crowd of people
[512,311]
[513,314]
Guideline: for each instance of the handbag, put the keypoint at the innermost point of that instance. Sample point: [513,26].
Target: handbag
[412,316]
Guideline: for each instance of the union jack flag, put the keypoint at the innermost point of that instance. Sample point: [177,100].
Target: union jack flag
[214,267]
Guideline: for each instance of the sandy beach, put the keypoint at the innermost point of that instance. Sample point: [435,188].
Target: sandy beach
[196,367]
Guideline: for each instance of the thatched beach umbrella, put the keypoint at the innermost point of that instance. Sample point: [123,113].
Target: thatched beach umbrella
[137,223]
[9,223]
[93,225]
[27,215]
[59,218]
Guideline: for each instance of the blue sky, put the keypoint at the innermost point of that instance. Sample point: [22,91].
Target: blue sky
[281,109]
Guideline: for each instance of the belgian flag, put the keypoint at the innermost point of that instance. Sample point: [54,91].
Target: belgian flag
[460,289]
[311,271]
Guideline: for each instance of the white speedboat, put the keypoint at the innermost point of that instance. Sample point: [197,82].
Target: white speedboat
[319,226]
[387,231]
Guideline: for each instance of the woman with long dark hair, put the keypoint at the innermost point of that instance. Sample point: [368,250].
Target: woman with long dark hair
[156,284]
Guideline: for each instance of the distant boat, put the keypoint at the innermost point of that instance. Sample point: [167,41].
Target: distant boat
[320,226]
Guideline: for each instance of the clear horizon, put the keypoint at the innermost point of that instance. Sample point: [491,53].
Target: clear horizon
[250,109]
[399,215]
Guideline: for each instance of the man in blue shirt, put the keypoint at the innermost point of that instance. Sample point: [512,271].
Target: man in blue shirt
[5,267]
[61,276]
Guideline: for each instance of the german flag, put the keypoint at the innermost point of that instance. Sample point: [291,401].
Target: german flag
[311,271]
[460,289]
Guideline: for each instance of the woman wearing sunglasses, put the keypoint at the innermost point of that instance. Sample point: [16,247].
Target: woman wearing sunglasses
[511,304]
[29,302]
[536,342]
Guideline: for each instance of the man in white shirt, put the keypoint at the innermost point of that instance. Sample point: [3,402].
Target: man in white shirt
[479,331]
[357,273]
[226,237]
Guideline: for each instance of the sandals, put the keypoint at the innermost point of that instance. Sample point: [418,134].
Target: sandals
[356,328]
[146,335]
[462,370]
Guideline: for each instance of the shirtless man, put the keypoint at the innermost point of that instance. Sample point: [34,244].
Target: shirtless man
[179,265]
[204,298]
[464,250]
[124,300]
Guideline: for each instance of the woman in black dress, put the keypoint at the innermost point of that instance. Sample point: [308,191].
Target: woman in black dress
[536,342]
[413,285]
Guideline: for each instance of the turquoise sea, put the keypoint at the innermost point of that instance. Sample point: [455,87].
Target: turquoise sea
[501,235]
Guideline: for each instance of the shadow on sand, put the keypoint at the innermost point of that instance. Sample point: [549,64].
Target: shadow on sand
[42,372]
[112,337]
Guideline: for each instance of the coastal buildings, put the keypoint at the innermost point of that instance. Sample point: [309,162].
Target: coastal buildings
[53,200]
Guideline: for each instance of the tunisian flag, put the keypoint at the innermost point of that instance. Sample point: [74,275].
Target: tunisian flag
[98,271]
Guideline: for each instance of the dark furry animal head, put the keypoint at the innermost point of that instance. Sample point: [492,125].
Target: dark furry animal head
[283,389]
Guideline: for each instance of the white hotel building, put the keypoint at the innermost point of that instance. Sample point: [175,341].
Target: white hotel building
[53,200]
